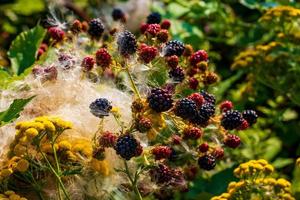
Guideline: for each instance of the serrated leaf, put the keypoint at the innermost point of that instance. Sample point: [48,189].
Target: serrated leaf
[14,110]
[23,49]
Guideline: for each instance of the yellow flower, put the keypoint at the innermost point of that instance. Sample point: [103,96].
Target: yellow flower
[6,172]
[37,125]
[61,123]
[9,192]
[101,166]
[47,148]
[31,133]
[64,145]
[22,165]
[19,150]
[70,156]
[49,126]
[14,197]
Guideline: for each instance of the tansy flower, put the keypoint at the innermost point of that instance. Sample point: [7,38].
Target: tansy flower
[31,133]
[22,165]
[64,145]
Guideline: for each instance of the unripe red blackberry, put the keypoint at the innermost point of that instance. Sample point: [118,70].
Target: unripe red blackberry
[161,174]
[197,98]
[50,73]
[250,116]
[165,24]
[117,14]
[66,61]
[103,58]
[153,29]
[203,147]
[226,105]
[173,47]
[192,133]
[39,53]
[207,162]
[176,139]
[96,28]
[244,125]
[185,108]
[76,26]
[100,107]
[107,139]
[147,53]
[210,98]
[161,152]
[177,74]
[137,106]
[154,18]
[210,78]
[143,27]
[198,57]
[231,119]
[44,46]
[127,146]
[88,63]
[193,83]
[56,33]
[143,124]
[127,44]
[172,61]
[232,141]
[219,152]
[188,51]
[163,36]
[160,100]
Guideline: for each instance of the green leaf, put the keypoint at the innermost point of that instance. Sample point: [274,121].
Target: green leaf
[282,162]
[14,110]
[23,49]
[28,7]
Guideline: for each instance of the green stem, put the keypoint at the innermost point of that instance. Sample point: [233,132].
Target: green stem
[133,181]
[135,90]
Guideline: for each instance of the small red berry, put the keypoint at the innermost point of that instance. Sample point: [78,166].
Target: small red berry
[232,141]
[226,105]
[163,36]
[143,27]
[56,33]
[244,125]
[143,124]
[85,26]
[172,61]
[165,24]
[193,83]
[218,153]
[88,63]
[44,46]
[40,52]
[192,71]
[192,133]
[107,139]
[203,147]
[198,56]
[197,98]
[161,152]
[76,26]
[103,58]
[153,29]
[176,139]
[147,53]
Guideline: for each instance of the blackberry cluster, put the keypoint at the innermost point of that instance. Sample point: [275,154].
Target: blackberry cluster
[117,14]
[207,162]
[96,28]
[231,119]
[185,108]
[154,18]
[177,74]
[174,47]
[210,98]
[160,100]
[207,110]
[127,146]
[127,43]
[161,174]
[161,152]
[250,116]
[100,107]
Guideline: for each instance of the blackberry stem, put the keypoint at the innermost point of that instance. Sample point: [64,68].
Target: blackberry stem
[133,181]
[132,83]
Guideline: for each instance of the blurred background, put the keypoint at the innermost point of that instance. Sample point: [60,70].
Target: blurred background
[255,51]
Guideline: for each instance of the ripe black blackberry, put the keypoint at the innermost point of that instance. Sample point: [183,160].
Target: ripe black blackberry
[161,174]
[154,18]
[231,119]
[207,162]
[177,74]
[160,100]
[127,146]
[173,47]
[210,98]
[117,14]
[200,119]
[186,108]
[250,116]
[100,107]
[127,44]
[207,110]
[96,28]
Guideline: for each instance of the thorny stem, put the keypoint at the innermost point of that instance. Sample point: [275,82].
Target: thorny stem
[132,83]
[133,181]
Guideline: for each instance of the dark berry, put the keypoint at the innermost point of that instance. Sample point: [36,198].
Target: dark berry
[231,119]
[197,98]
[198,57]
[107,139]
[210,98]
[100,107]
[207,162]
[210,78]
[127,146]
[200,119]
[173,47]
[207,110]
[203,147]
[185,108]
[143,124]
[250,116]
[161,174]
[165,24]
[88,63]
[177,74]
[96,28]
[232,141]
[226,105]
[193,83]
[147,53]
[137,106]
[192,133]
[127,44]
[117,14]
[160,100]
[161,152]
[154,18]
[103,58]
[143,27]
[172,61]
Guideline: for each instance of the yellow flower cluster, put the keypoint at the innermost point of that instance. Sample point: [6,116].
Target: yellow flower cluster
[254,56]
[252,186]
[14,164]
[286,13]
[11,195]
[253,167]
